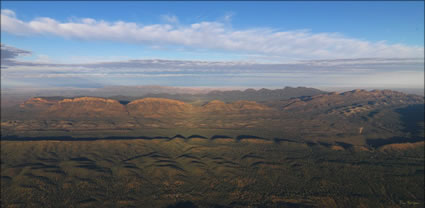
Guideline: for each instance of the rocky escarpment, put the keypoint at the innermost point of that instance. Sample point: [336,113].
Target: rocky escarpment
[90,107]
[93,107]
[347,103]
[355,114]
[37,104]
[154,107]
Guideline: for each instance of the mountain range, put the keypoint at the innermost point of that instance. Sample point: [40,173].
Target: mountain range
[234,95]
[272,149]
[354,116]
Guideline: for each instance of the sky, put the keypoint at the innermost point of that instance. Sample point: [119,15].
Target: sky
[212,44]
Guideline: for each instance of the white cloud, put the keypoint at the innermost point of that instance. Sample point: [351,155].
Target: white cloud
[43,59]
[292,45]
[121,64]
[170,18]
[8,12]
[228,16]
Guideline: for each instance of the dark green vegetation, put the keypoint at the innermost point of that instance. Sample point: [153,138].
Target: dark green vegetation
[353,149]
[207,173]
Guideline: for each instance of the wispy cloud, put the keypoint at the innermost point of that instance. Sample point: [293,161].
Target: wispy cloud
[8,55]
[170,18]
[288,45]
[363,72]
[8,13]
[359,65]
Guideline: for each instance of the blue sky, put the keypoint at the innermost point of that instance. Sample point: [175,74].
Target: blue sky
[230,37]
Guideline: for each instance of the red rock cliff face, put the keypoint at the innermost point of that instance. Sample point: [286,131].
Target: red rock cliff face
[37,104]
[92,107]
[88,107]
[83,107]
[152,107]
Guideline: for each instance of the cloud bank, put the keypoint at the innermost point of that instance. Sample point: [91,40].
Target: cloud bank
[287,45]
[8,54]
[362,72]
[359,65]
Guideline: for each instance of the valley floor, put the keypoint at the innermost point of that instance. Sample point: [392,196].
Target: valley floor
[199,172]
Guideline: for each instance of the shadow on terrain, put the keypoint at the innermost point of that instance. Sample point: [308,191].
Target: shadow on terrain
[411,116]
[70,138]
[344,145]
[124,102]
[375,143]
[183,204]
[197,136]
[241,137]
[220,137]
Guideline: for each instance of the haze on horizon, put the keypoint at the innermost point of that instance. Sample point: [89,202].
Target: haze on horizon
[212,44]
